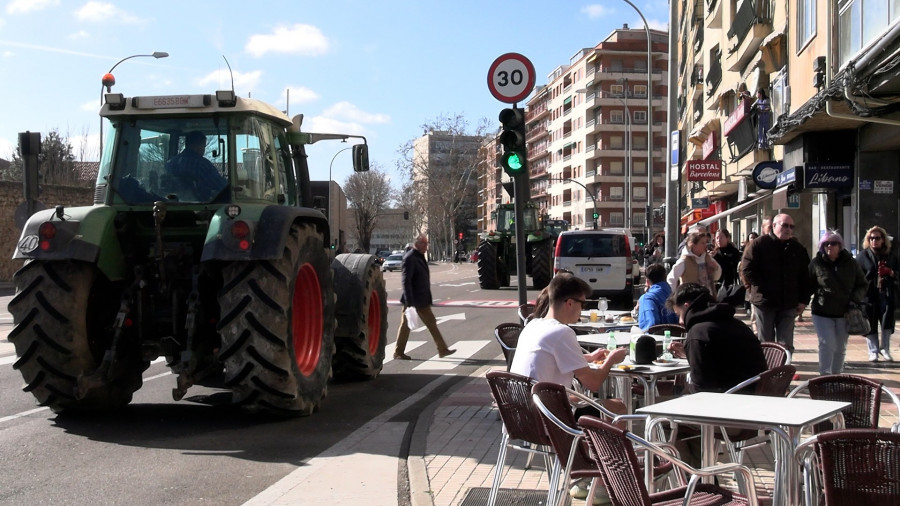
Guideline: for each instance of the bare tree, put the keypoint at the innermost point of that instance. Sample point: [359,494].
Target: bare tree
[57,163]
[444,180]
[369,193]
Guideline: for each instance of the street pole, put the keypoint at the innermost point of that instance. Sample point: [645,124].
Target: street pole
[108,81]
[650,102]
[672,180]
[331,202]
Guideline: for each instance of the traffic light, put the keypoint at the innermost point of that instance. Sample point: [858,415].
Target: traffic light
[459,236]
[596,215]
[512,138]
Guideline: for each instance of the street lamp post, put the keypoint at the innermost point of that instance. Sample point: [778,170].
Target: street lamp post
[109,80]
[629,160]
[649,112]
[331,200]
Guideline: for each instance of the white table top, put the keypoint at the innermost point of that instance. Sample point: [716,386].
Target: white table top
[649,370]
[622,338]
[720,409]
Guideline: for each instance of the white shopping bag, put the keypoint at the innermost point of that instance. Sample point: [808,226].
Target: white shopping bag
[412,319]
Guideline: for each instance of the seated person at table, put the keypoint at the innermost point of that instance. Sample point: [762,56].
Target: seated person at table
[548,350]
[721,350]
[652,308]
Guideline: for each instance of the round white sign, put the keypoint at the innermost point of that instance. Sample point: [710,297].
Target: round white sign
[511,78]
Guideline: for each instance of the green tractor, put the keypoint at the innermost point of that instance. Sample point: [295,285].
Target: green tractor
[497,251]
[202,246]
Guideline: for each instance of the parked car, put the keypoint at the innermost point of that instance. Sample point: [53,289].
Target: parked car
[392,263]
[603,259]
[380,256]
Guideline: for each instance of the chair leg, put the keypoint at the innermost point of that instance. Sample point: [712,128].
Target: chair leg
[498,470]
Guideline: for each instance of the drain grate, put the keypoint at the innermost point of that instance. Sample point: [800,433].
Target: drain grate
[478,496]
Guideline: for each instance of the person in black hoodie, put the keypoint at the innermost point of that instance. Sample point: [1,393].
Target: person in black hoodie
[721,350]
[838,281]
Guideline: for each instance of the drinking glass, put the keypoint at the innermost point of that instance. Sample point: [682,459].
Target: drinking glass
[603,305]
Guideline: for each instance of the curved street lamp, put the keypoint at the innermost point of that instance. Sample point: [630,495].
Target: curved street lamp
[109,80]
[331,201]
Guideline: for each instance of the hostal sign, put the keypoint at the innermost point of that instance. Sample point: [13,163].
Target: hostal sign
[704,170]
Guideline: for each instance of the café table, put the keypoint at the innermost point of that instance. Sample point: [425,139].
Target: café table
[783,417]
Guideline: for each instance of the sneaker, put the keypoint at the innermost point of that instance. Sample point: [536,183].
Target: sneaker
[402,356]
[873,357]
[582,487]
[887,355]
[446,353]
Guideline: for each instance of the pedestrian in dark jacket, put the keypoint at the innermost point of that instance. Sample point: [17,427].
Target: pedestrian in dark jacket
[837,281]
[882,267]
[775,271]
[727,256]
[416,280]
[722,350]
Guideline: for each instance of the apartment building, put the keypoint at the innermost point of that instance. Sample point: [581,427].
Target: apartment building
[824,147]
[588,130]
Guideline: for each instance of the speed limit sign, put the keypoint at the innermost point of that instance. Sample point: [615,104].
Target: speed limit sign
[511,78]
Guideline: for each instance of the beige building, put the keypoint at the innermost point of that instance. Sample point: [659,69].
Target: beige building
[826,147]
[587,134]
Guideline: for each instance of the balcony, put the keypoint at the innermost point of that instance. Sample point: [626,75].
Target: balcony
[752,24]
[714,13]
[714,76]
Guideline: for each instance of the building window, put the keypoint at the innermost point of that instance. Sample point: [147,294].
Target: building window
[806,22]
[640,117]
[640,193]
[616,168]
[640,90]
[616,218]
[616,117]
[616,193]
[616,142]
[639,167]
[617,90]
[861,22]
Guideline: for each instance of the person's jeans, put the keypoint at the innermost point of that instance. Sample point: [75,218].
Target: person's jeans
[776,325]
[430,322]
[833,336]
[884,312]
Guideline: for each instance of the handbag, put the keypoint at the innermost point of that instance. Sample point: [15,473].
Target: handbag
[413,321]
[857,321]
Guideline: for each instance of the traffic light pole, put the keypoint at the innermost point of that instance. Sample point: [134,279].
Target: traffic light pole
[521,198]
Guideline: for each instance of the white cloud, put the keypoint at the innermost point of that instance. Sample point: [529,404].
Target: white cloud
[243,81]
[595,11]
[323,124]
[25,6]
[80,34]
[86,148]
[100,11]
[349,112]
[91,106]
[7,148]
[300,95]
[301,39]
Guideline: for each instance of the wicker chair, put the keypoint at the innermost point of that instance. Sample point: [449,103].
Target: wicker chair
[776,354]
[554,402]
[855,466]
[525,311]
[521,422]
[614,455]
[507,334]
[863,394]
[660,328]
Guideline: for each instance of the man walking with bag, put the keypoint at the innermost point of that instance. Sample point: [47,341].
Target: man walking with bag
[416,281]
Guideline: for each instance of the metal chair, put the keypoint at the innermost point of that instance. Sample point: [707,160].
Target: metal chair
[525,311]
[614,455]
[776,354]
[855,466]
[675,329]
[554,402]
[507,334]
[522,422]
[863,394]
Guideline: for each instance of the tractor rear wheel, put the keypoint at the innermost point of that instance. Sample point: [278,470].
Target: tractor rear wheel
[63,312]
[277,327]
[487,266]
[542,264]
[361,311]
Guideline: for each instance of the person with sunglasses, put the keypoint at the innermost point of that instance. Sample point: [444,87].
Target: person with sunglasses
[775,271]
[838,281]
[880,265]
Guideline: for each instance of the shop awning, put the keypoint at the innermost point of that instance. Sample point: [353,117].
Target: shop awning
[745,205]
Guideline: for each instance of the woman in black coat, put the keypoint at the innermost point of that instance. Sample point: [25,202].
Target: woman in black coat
[879,264]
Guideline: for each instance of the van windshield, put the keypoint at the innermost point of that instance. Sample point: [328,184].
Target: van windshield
[592,245]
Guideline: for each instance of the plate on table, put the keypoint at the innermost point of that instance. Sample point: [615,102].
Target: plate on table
[665,363]
[631,368]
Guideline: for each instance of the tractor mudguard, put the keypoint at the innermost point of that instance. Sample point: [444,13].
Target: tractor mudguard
[269,227]
[84,233]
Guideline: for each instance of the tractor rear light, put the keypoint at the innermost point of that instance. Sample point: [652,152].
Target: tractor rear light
[47,230]
[240,231]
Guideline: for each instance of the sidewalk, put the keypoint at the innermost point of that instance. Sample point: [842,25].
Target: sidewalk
[459,451]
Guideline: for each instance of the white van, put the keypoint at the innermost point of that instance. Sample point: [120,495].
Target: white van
[600,257]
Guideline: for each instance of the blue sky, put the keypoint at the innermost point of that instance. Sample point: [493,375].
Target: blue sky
[375,68]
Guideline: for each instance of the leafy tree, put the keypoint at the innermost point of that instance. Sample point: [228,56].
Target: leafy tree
[444,182]
[368,193]
[57,162]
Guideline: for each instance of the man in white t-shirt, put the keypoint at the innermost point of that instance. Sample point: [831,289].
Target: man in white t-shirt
[548,350]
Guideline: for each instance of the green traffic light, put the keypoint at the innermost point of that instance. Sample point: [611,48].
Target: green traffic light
[514,162]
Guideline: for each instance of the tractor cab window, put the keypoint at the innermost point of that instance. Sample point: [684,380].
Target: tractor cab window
[259,170]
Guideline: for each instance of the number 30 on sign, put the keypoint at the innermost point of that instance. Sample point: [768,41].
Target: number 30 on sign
[511,78]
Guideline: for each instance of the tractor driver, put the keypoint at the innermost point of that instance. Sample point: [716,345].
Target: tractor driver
[194,171]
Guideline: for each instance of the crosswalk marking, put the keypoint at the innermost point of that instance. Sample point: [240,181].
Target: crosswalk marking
[464,350]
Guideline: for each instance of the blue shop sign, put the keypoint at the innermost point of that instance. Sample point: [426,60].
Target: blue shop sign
[700,203]
[789,176]
[828,175]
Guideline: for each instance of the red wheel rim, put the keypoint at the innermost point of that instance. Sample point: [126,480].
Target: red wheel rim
[374,321]
[307,320]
